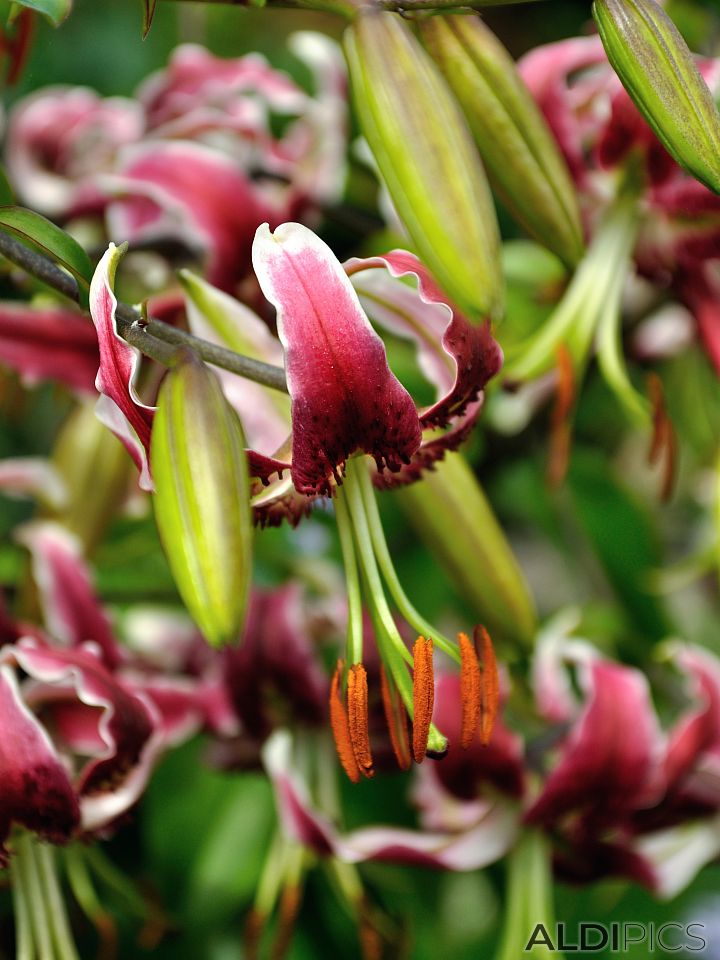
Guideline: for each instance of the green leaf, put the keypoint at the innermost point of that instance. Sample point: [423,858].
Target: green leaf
[45,236]
[6,191]
[55,10]
[148,14]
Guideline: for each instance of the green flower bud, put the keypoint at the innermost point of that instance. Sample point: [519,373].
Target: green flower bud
[659,72]
[519,152]
[202,497]
[452,515]
[428,161]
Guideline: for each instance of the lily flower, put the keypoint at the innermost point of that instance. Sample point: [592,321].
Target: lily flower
[603,136]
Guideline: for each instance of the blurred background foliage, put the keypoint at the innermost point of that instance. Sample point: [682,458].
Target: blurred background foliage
[195,847]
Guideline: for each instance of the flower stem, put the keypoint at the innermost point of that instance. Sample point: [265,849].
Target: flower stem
[24,942]
[352,580]
[27,870]
[403,603]
[62,935]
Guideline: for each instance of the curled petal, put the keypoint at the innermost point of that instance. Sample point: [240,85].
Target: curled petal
[72,611]
[179,191]
[677,854]
[119,407]
[457,357]
[611,762]
[127,725]
[52,343]
[36,790]
[32,476]
[344,396]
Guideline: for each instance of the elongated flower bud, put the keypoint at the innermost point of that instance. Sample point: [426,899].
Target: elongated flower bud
[428,161]
[450,512]
[520,154]
[659,72]
[202,498]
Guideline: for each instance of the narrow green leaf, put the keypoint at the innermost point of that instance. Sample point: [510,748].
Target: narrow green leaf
[46,236]
[55,10]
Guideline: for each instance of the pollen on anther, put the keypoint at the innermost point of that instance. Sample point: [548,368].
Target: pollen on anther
[470,687]
[357,712]
[489,684]
[423,696]
[341,727]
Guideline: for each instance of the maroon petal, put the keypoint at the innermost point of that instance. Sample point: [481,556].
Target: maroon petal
[700,290]
[127,725]
[698,731]
[72,611]
[611,762]
[445,338]
[48,344]
[344,396]
[36,791]
[119,407]
[192,194]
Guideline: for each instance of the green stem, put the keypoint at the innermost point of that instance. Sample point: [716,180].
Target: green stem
[25,944]
[35,896]
[60,927]
[403,603]
[575,318]
[352,579]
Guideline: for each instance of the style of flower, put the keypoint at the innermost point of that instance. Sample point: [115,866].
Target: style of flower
[603,137]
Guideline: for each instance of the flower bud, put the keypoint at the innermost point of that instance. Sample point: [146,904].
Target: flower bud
[202,501]
[659,72]
[428,161]
[452,515]
[519,152]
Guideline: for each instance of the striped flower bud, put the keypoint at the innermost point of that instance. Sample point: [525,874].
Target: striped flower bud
[426,156]
[202,497]
[520,154]
[659,72]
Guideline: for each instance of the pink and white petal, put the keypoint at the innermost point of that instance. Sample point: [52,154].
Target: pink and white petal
[555,647]
[440,331]
[119,407]
[48,343]
[698,730]
[178,190]
[128,724]
[33,477]
[71,608]
[484,843]
[219,318]
[36,791]
[344,396]
[676,855]
[611,762]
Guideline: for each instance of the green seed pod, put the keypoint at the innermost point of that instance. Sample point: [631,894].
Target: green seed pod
[659,72]
[425,153]
[519,152]
[202,498]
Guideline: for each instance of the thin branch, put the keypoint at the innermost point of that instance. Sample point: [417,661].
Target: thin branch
[154,338]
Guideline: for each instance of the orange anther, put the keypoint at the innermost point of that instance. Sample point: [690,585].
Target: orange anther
[663,443]
[560,430]
[470,686]
[489,684]
[396,719]
[357,713]
[341,728]
[287,917]
[423,696]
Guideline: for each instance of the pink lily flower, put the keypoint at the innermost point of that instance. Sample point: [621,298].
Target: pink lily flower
[599,130]
[343,395]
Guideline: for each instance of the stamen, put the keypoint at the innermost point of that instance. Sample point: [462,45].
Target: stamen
[664,442]
[357,700]
[470,686]
[287,916]
[560,422]
[396,719]
[489,684]
[341,728]
[423,696]
[252,933]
